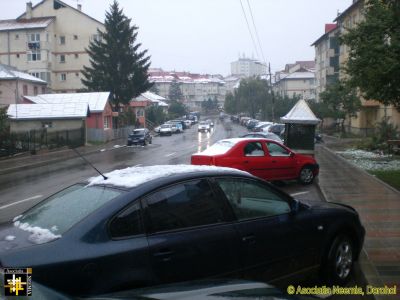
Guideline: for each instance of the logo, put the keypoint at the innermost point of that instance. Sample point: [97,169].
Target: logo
[18,282]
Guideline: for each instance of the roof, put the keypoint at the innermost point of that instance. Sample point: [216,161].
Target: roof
[22,24]
[153,98]
[48,111]
[297,75]
[135,176]
[328,30]
[343,14]
[300,114]
[11,73]
[96,101]
[63,4]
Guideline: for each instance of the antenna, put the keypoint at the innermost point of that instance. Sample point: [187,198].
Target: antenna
[81,156]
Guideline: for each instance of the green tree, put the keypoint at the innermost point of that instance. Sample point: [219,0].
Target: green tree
[341,101]
[374,65]
[155,114]
[175,92]
[154,89]
[127,118]
[176,109]
[116,64]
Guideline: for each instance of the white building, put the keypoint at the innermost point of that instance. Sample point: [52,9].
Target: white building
[247,67]
[49,41]
[297,80]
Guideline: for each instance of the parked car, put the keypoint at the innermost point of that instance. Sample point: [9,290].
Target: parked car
[264,135]
[204,127]
[176,126]
[267,159]
[188,123]
[133,226]
[210,122]
[140,136]
[252,123]
[276,128]
[260,126]
[166,129]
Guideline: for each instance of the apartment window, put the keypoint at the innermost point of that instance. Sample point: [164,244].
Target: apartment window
[63,76]
[17,36]
[47,124]
[34,37]
[62,40]
[35,90]
[96,37]
[17,55]
[25,90]
[77,74]
[76,55]
[34,55]
[36,74]
[62,58]
[106,123]
[75,37]
[43,90]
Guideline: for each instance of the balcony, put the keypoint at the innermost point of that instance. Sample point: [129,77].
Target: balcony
[33,45]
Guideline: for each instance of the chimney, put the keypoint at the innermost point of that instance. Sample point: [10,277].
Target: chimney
[29,10]
[80,7]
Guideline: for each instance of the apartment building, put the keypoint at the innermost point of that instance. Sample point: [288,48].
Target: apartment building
[48,41]
[326,59]
[195,88]
[371,112]
[296,80]
[248,67]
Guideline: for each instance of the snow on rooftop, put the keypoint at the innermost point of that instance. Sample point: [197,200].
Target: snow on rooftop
[47,111]
[96,101]
[21,24]
[7,72]
[135,176]
[153,98]
[301,113]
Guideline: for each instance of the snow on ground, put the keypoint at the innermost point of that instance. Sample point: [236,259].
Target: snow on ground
[370,160]
[9,238]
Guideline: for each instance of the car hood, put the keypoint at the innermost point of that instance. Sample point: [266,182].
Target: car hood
[328,205]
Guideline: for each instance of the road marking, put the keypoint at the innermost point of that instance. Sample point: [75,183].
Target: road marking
[299,193]
[25,200]
[170,154]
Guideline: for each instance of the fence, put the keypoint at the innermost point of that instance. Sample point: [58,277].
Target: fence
[34,140]
[101,135]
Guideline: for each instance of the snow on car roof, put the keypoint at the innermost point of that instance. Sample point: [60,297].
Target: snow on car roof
[135,176]
[221,147]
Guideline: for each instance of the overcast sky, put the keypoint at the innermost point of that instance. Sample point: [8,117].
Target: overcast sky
[205,36]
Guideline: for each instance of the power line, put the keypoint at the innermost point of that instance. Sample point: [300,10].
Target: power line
[248,27]
[255,29]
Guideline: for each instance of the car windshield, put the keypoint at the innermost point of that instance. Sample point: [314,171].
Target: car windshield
[137,133]
[203,123]
[166,126]
[220,147]
[66,208]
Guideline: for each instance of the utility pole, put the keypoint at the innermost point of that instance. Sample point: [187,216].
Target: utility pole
[272,92]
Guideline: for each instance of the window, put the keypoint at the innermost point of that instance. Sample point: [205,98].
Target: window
[36,74]
[34,55]
[96,37]
[76,55]
[63,77]
[277,150]
[254,149]
[77,74]
[127,223]
[35,90]
[34,37]
[43,90]
[17,55]
[140,112]
[62,58]
[25,90]
[47,124]
[251,199]
[75,37]
[183,205]
[17,36]
[62,40]
[106,122]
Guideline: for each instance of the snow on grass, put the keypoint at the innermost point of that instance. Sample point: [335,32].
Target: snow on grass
[38,235]
[135,176]
[9,238]
[371,160]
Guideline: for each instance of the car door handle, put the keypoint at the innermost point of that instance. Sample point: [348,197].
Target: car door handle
[249,239]
[164,255]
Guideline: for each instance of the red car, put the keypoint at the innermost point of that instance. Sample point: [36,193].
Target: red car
[264,158]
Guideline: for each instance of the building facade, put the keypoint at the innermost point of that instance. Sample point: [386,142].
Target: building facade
[247,67]
[326,59]
[48,41]
[195,88]
[15,84]
[372,112]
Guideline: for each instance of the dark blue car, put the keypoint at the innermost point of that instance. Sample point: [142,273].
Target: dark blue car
[153,225]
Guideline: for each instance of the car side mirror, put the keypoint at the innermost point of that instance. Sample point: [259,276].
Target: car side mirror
[291,154]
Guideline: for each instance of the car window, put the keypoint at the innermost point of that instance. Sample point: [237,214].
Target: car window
[253,149]
[250,199]
[127,223]
[277,150]
[66,208]
[183,205]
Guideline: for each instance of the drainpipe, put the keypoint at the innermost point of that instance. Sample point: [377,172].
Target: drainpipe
[8,48]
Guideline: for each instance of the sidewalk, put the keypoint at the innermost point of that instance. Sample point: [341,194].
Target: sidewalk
[379,207]
[42,158]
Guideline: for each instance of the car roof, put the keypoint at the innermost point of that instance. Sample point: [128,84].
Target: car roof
[136,176]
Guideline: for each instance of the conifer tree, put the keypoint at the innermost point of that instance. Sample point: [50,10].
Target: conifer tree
[116,63]
[175,92]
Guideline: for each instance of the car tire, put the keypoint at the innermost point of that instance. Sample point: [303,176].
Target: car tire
[338,263]
[306,175]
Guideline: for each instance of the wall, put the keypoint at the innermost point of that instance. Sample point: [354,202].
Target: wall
[8,87]
[57,125]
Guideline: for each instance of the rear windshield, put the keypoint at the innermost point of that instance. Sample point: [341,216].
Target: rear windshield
[137,133]
[220,147]
[61,211]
